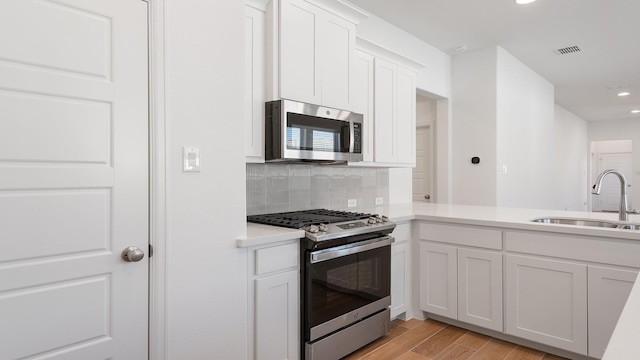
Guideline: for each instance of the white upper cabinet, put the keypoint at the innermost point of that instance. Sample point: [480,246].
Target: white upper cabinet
[385,93]
[363,100]
[254,83]
[313,53]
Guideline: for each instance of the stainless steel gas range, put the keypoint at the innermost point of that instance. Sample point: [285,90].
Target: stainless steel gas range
[345,278]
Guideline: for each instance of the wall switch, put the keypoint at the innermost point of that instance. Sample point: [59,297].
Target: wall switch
[190,159]
[379,200]
[504,169]
[352,202]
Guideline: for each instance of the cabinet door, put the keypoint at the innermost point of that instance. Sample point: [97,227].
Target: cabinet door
[438,280]
[480,288]
[337,42]
[299,70]
[385,113]
[406,116]
[546,301]
[277,317]
[400,278]
[254,83]
[608,293]
[363,100]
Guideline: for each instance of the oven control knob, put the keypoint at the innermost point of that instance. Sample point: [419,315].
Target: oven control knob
[379,219]
[313,229]
[323,227]
[371,220]
[384,218]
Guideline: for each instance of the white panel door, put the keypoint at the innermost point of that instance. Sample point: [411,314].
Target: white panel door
[422,173]
[480,288]
[73,179]
[438,279]
[608,293]
[546,301]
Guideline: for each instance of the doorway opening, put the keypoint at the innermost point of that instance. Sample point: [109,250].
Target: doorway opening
[611,154]
[423,174]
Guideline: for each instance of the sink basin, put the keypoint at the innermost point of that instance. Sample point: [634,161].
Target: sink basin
[578,222]
[587,222]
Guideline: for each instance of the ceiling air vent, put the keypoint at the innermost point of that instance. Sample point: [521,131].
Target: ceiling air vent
[567,50]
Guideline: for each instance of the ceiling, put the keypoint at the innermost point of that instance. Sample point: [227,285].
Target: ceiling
[606,31]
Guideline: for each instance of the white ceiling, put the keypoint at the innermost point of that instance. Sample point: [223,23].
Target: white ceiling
[607,32]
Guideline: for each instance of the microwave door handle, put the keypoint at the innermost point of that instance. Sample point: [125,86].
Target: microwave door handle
[324,255]
[346,141]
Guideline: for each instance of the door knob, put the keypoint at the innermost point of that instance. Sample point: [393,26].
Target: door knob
[427,197]
[132,254]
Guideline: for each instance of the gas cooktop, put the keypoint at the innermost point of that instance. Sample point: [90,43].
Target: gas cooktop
[304,218]
[323,224]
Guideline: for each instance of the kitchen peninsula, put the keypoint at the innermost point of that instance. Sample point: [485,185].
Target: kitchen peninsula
[558,288]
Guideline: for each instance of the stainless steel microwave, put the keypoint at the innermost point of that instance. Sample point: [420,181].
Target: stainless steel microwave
[300,132]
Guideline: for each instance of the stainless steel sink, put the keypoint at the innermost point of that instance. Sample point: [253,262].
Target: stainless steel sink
[587,222]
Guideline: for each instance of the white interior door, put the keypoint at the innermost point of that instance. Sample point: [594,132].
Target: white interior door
[422,188]
[610,195]
[73,179]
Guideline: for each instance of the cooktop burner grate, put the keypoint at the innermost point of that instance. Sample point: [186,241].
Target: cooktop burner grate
[303,218]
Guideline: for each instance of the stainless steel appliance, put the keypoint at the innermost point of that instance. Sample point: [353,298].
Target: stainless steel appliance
[345,278]
[299,132]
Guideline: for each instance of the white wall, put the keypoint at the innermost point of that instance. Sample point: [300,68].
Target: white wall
[435,77]
[621,130]
[571,158]
[525,134]
[206,298]
[473,106]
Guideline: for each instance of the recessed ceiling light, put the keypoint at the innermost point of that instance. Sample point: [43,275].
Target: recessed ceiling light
[635,111]
[624,93]
[524,2]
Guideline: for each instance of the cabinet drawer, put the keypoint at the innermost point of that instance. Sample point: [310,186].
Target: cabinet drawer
[461,235]
[277,258]
[402,232]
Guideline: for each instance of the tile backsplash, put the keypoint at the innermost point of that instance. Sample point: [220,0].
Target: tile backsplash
[289,187]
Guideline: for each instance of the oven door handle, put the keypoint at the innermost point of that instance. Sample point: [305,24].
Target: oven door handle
[328,254]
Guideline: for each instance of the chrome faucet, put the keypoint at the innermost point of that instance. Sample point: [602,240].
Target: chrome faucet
[623,216]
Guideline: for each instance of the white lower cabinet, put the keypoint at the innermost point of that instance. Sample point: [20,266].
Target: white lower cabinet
[401,270]
[460,273]
[609,289]
[438,279]
[274,296]
[480,288]
[546,301]
[276,321]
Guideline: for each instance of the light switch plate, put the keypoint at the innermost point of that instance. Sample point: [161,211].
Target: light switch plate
[190,159]
[352,202]
[379,200]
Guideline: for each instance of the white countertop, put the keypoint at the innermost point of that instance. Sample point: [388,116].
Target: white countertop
[510,218]
[622,345]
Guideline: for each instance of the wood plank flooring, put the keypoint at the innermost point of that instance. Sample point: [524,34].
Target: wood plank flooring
[430,339]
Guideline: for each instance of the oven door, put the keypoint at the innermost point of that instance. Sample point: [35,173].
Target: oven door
[345,284]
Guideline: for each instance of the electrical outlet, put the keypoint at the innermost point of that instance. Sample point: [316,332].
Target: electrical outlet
[379,200]
[352,202]
[504,170]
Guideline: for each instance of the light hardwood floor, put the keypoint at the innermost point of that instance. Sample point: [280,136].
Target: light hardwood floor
[430,339]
